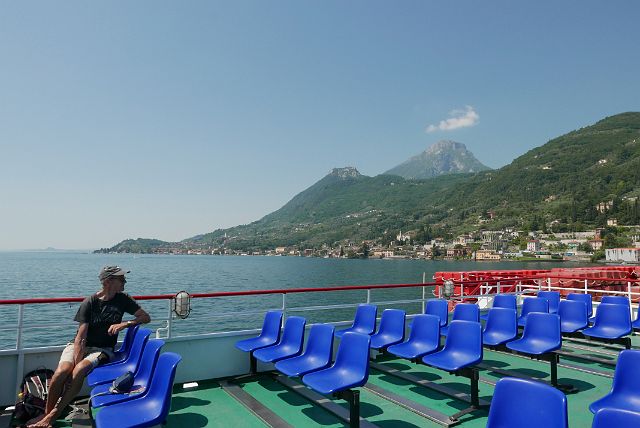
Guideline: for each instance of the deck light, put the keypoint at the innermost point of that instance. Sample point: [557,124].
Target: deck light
[182,304]
[449,288]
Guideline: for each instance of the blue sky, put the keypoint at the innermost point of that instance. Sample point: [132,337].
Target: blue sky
[169,119]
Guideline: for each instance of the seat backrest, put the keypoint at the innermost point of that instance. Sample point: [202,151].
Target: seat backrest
[610,417]
[553,297]
[128,339]
[613,315]
[148,361]
[139,342]
[426,329]
[505,301]
[465,337]
[543,326]
[466,312]
[544,406]
[366,317]
[158,396]
[439,308]
[586,298]
[293,333]
[625,378]
[534,304]
[320,342]
[573,310]
[503,320]
[271,324]
[616,300]
[353,354]
[392,322]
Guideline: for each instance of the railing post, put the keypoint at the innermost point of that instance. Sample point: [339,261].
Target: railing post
[169,320]
[368,295]
[461,290]
[630,301]
[424,299]
[284,304]
[498,284]
[586,286]
[549,284]
[20,367]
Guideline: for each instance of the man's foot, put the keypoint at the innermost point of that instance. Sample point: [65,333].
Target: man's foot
[39,422]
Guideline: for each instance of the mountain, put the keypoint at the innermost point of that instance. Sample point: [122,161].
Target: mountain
[574,181]
[443,157]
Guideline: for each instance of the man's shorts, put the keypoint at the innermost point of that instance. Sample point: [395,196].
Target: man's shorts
[91,354]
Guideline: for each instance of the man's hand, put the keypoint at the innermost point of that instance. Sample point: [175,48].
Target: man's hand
[116,328]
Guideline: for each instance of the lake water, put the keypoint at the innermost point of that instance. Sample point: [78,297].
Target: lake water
[57,274]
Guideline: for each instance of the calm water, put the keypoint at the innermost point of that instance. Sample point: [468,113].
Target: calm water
[30,274]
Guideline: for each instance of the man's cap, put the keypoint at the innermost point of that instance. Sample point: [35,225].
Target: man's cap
[109,271]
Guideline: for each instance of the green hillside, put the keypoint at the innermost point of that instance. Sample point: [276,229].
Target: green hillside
[558,185]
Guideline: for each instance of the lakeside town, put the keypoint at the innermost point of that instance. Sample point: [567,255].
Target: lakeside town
[485,245]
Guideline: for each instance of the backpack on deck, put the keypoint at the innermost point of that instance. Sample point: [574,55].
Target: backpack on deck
[32,396]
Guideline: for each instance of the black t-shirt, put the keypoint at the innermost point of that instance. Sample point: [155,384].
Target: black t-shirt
[100,314]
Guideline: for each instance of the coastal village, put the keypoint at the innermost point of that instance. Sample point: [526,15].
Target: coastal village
[485,245]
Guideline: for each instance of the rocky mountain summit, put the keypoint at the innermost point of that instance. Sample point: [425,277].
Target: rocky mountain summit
[443,157]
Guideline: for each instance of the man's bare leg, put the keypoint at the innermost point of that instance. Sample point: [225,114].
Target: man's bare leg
[80,371]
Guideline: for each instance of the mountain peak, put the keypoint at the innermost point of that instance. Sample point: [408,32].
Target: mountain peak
[346,172]
[443,157]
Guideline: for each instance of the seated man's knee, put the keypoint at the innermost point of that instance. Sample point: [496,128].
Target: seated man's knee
[63,370]
[82,369]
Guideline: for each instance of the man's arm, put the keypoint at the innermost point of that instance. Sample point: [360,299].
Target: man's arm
[141,317]
[79,344]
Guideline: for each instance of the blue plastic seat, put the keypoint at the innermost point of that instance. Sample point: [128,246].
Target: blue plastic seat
[141,380]
[364,321]
[507,301]
[152,408]
[391,329]
[524,403]
[316,356]
[532,304]
[625,391]
[612,321]
[108,373]
[553,297]
[463,312]
[573,316]
[501,326]
[350,370]
[439,308]
[586,298]
[125,347]
[618,418]
[289,345]
[541,335]
[636,323]
[613,300]
[269,334]
[463,347]
[424,338]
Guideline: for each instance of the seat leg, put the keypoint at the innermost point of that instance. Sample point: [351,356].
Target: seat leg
[253,364]
[352,396]
[475,389]
[554,369]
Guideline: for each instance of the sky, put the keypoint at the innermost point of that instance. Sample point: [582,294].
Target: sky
[164,119]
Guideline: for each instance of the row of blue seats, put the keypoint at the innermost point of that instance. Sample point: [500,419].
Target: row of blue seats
[149,402]
[528,404]
[462,349]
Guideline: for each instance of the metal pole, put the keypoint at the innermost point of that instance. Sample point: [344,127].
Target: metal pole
[424,298]
[284,304]
[498,287]
[630,301]
[169,321]
[368,295]
[586,287]
[20,368]
[549,284]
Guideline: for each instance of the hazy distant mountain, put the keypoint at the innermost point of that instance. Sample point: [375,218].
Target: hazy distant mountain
[444,157]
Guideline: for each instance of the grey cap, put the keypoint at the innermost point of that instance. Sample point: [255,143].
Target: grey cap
[109,271]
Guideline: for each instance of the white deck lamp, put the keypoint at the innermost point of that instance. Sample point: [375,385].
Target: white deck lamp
[182,304]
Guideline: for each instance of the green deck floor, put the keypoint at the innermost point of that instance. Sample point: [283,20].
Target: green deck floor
[210,406]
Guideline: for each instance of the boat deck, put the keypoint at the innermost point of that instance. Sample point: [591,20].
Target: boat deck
[209,405]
